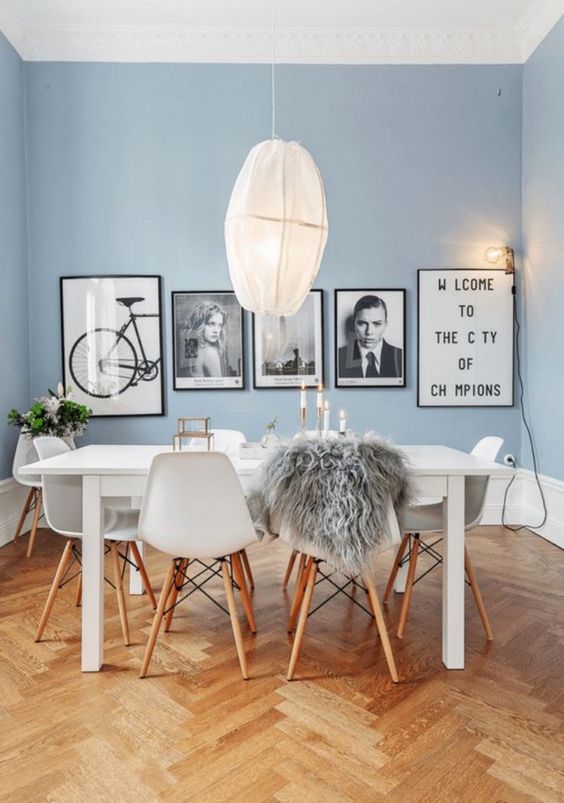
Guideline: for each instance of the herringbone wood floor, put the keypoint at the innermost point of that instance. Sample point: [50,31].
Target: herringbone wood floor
[194,730]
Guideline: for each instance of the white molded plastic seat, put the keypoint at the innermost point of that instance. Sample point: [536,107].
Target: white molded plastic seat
[25,453]
[427,519]
[194,509]
[62,499]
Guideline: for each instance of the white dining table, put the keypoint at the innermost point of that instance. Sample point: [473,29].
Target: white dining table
[110,471]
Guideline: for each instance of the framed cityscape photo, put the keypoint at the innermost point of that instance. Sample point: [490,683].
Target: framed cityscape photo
[208,340]
[370,338]
[112,343]
[288,349]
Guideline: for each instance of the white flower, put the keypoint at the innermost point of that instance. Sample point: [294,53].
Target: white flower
[51,405]
[60,390]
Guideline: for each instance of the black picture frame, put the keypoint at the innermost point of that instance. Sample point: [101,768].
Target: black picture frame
[355,380]
[296,379]
[146,367]
[233,382]
[512,325]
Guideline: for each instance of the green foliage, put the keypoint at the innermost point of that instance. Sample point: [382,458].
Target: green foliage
[56,415]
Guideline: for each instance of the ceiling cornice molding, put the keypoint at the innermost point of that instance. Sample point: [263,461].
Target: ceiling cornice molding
[536,24]
[254,45]
[144,43]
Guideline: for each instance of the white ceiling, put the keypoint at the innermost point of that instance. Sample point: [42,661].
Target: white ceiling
[308,31]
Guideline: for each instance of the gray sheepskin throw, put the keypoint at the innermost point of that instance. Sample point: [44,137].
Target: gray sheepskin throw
[331,497]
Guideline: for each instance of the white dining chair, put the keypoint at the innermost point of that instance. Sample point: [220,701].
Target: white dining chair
[62,500]
[311,559]
[25,454]
[229,442]
[195,511]
[427,520]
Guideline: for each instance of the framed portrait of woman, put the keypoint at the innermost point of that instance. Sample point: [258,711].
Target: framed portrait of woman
[288,350]
[208,340]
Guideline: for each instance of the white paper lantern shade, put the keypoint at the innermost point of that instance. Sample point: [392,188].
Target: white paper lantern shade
[276,228]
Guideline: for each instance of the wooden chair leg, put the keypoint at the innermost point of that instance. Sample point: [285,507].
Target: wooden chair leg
[395,568]
[143,573]
[165,593]
[174,591]
[301,584]
[118,582]
[245,598]
[66,557]
[408,586]
[227,582]
[477,595]
[247,567]
[25,511]
[36,514]
[311,575]
[382,629]
[289,567]
[78,596]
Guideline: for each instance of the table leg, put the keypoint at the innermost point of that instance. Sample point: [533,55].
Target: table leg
[92,575]
[401,576]
[135,584]
[453,574]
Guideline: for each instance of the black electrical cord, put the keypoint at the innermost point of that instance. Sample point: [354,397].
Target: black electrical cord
[529,433]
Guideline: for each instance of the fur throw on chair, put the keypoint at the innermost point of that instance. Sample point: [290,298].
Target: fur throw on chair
[331,497]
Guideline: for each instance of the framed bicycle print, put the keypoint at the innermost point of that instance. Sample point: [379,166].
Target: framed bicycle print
[112,343]
[370,338]
[208,340]
[288,350]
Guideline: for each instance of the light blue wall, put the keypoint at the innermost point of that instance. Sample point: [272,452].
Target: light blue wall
[131,168]
[543,228]
[14,346]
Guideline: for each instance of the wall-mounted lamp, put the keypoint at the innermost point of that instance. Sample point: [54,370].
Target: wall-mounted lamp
[495,253]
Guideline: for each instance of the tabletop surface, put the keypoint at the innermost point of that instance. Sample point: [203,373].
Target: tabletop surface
[130,459]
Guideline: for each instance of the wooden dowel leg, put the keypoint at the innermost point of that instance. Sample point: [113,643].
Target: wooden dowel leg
[78,596]
[234,618]
[143,574]
[289,567]
[66,557]
[25,511]
[311,575]
[382,629]
[245,598]
[157,619]
[408,586]
[301,583]
[247,567]
[477,595]
[395,568]
[36,514]
[174,591]
[118,582]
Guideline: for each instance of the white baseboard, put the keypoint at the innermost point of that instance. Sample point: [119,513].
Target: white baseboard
[524,505]
[12,500]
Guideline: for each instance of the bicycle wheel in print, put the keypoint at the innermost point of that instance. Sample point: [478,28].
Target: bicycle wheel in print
[103,363]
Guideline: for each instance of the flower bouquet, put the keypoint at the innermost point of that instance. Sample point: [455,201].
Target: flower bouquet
[56,414]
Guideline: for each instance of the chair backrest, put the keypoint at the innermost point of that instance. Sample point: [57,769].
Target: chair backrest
[25,453]
[194,506]
[224,440]
[476,487]
[62,495]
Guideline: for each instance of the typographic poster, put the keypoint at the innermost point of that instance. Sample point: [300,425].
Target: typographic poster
[465,338]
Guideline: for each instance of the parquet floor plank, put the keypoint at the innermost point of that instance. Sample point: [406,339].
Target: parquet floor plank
[193,730]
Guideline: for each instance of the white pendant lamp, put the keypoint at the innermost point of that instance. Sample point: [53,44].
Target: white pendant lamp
[276,225]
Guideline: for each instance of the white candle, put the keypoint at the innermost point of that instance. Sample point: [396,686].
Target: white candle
[326,418]
[320,397]
[303,397]
[342,422]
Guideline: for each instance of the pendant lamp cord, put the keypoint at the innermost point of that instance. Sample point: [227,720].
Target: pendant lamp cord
[272,79]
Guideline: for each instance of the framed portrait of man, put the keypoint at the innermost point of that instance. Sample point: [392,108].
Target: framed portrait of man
[208,340]
[370,338]
[288,349]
